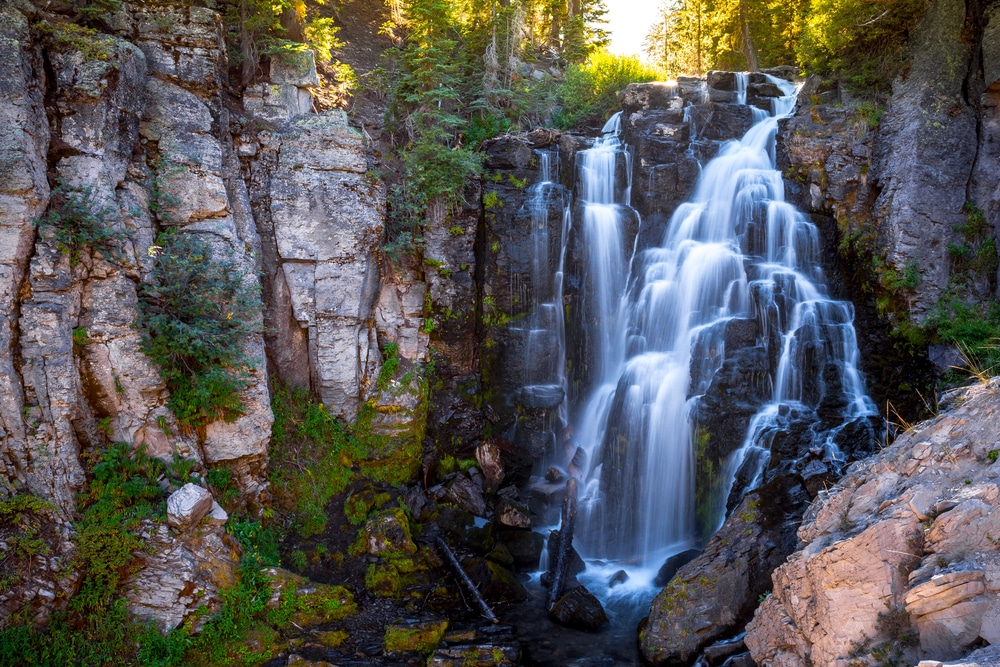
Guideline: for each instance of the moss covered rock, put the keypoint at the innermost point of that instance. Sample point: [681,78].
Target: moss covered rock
[420,637]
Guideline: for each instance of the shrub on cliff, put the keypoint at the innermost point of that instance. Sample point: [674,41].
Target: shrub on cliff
[591,89]
[195,314]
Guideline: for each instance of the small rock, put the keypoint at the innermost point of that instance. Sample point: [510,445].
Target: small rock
[579,609]
[465,493]
[217,516]
[554,474]
[188,505]
[512,514]
[619,577]
[489,457]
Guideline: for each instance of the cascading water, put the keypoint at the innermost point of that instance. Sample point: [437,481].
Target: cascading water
[735,251]
[545,348]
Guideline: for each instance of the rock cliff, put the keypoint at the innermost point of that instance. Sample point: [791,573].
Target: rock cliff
[140,129]
[900,556]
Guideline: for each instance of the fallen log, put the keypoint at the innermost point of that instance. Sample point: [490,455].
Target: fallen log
[558,571]
[464,578]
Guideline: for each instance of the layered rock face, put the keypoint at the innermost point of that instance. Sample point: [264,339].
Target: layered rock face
[139,126]
[901,556]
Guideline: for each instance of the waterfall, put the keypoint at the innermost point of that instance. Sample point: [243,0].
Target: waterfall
[737,251]
[545,349]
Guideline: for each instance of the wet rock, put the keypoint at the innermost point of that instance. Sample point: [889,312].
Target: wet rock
[578,464]
[579,609]
[554,474]
[714,595]
[619,577]
[816,476]
[575,565]
[465,493]
[525,547]
[674,563]
[512,514]
[721,122]
[719,652]
[388,534]
[188,505]
[495,582]
[541,397]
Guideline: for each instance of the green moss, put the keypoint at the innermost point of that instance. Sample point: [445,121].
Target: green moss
[422,639]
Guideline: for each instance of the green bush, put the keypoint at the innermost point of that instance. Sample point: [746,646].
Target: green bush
[591,90]
[76,222]
[195,314]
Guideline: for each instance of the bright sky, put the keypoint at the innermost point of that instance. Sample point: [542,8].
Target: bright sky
[628,23]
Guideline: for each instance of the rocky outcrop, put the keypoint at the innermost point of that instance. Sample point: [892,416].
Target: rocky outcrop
[899,557]
[324,224]
[714,595]
[924,154]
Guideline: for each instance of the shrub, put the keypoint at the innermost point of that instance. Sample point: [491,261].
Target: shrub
[76,222]
[591,89]
[195,313]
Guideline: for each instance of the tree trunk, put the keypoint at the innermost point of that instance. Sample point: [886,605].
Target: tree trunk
[565,543]
[749,52]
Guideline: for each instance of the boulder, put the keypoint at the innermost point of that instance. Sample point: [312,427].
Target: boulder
[465,493]
[512,514]
[495,582]
[579,609]
[388,534]
[525,546]
[188,505]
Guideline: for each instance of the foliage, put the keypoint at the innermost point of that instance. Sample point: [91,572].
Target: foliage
[23,534]
[77,222]
[100,8]
[195,314]
[95,628]
[64,36]
[590,90]
[693,36]
[973,328]
[457,81]
[311,454]
[862,40]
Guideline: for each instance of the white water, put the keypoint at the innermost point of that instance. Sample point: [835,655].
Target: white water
[735,250]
